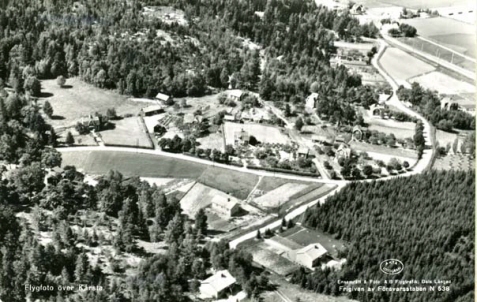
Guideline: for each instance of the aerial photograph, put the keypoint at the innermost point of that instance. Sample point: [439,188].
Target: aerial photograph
[237,150]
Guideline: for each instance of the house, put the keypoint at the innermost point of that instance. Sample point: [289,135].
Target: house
[164,98]
[323,139]
[339,139]
[310,256]
[343,151]
[216,285]
[152,110]
[377,109]
[357,9]
[93,122]
[310,102]
[241,137]
[448,103]
[383,98]
[235,94]
[359,132]
[303,152]
[225,206]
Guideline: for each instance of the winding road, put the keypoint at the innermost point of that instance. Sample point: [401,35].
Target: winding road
[420,166]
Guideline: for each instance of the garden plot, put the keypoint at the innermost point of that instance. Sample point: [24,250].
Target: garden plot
[280,195]
[129,132]
[401,66]
[443,83]
[264,134]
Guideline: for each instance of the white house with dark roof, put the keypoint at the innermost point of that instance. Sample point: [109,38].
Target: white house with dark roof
[152,110]
[235,94]
[310,256]
[216,285]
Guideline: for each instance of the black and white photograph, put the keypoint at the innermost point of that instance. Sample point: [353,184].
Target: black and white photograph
[237,150]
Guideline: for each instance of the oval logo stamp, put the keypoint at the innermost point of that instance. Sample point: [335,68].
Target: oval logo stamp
[391,266]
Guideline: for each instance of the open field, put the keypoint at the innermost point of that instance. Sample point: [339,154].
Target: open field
[402,66]
[280,195]
[385,152]
[200,196]
[132,164]
[443,83]
[414,4]
[78,99]
[447,32]
[304,236]
[232,182]
[440,52]
[272,261]
[264,134]
[127,132]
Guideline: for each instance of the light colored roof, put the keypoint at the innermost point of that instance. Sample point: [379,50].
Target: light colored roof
[229,117]
[322,138]
[303,150]
[162,96]
[220,280]
[224,201]
[235,92]
[314,251]
[383,97]
[152,108]
[313,95]
[188,118]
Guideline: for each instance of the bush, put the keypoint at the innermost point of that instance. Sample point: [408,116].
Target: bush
[70,140]
[61,81]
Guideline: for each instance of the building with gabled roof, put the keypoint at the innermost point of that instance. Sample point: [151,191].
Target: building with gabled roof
[163,97]
[235,94]
[225,206]
[188,118]
[152,110]
[216,285]
[310,256]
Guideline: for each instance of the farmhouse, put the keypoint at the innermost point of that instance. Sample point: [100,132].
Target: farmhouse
[164,98]
[216,285]
[152,110]
[344,151]
[225,206]
[309,256]
[241,138]
[357,9]
[92,122]
[235,94]
[311,101]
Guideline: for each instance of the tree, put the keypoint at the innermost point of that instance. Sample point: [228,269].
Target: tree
[259,235]
[299,124]
[287,111]
[405,164]
[315,86]
[61,81]
[33,86]
[51,158]
[367,170]
[70,140]
[48,109]
[111,113]
[201,222]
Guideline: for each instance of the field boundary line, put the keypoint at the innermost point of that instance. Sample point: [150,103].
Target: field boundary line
[448,49]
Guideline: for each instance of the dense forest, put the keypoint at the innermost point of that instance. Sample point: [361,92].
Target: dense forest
[426,221]
[113,45]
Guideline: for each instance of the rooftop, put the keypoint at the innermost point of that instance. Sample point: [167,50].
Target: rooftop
[225,202]
[220,280]
[152,108]
[162,96]
[235,92]
[314,251]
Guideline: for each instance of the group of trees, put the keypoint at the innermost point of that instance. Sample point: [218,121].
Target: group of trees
[407,219]
[429,104]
